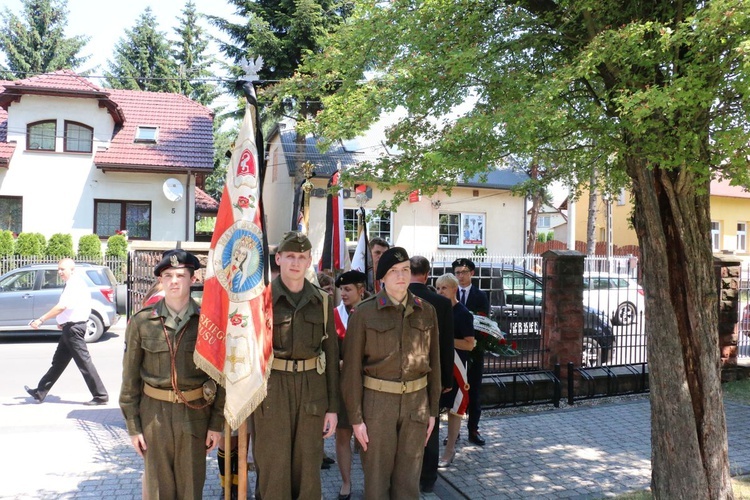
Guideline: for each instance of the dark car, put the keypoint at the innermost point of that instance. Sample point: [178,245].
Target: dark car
[516,304]
[30,291]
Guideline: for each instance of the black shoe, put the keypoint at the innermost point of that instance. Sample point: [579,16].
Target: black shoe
[324,465]
[97,402]
[476,438]
[328,460]
[427,487]
[34,393]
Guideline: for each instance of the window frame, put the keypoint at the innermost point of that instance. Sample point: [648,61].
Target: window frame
[68,123]
[20,221]
[31,125]
[371,232]
[715,235]
[541,218]
[464,240]
[742,236]
[123,217]
[147,140]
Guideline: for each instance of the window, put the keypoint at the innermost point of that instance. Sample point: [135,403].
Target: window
[741,236]
[41,135]
[543,221]
[621,197]
[378,224]
[461,229]
[78,137]
[18,282]
[11,213]
[715,234]
[146,134]
[113,216]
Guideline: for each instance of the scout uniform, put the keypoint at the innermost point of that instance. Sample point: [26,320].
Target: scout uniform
[288,442]
[174,424]
[391,382]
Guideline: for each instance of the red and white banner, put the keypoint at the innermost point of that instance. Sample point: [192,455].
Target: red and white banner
[335,256]
[236,324]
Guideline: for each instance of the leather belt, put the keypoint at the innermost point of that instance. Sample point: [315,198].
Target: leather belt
[294,365]
[394,387]
[170,396]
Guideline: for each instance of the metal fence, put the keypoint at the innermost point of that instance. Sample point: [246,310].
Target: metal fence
[743,311]
[613,309]
[116,264]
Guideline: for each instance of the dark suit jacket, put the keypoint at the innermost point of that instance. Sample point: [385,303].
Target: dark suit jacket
[444,311]
[477,301]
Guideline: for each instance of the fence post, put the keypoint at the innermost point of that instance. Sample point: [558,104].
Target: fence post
[562,316]
[727,271]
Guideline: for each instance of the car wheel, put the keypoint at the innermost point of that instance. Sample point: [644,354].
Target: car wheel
[94,329]
[592,353]
[625,314]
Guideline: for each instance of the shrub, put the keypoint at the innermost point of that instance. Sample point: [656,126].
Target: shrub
[60,245]
[6,243]
[117,246]
[28,245]
[89,246]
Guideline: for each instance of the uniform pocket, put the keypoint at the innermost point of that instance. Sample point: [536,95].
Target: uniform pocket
[385,335]
[314,323]
[420,415]
[197,425]
[317,407]
[282,330]
[420,334]
[156,359]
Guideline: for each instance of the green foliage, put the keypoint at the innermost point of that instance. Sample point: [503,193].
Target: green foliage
[89,245]
[479,251]
[142,59]
[117,246]
[6,243]
[60,245]
[35,42]
[193,64]
[29,245]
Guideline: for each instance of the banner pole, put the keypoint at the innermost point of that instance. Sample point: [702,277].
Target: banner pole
[228,479]
[242,460]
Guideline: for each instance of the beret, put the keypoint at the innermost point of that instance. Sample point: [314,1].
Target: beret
[176,258]
[463,262]
[294,241]
[350,278]
[390,258]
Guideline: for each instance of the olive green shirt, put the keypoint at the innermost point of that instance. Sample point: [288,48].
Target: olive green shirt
[147,360]
[384,343]
[298,331]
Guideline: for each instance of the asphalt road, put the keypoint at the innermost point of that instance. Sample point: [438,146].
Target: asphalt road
[25,357]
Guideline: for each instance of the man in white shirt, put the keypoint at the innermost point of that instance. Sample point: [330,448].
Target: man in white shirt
[72,312]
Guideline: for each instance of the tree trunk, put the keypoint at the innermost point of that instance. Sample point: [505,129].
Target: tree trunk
[591,221]
[534,213]
[689,455]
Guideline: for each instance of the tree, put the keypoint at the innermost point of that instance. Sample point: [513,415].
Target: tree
[190,56]
[36,43]
[142,60]
[653,95]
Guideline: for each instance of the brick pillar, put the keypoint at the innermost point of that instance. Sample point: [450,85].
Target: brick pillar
[727,272]
[562,317]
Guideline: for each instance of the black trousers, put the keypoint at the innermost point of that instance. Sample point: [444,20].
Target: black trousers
[72,346]
[431,457]
[474,377]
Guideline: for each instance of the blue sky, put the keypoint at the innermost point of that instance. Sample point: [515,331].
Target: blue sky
[105,21]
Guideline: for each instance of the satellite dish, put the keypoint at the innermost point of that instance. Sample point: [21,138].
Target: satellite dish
[173,189]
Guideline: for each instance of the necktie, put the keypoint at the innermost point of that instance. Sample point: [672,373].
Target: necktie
[463,296]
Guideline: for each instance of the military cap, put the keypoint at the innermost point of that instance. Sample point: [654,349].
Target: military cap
[176,258]
[350,278]
[390,258]
[294,241]
[463,262]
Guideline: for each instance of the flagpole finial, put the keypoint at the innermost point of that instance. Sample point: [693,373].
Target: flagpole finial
[361,199]
[251,68]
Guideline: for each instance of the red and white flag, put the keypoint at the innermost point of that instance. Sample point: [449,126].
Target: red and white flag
[236,324]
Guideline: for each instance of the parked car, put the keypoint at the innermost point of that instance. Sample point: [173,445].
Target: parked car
[29,291]
[618,294]
[516,304]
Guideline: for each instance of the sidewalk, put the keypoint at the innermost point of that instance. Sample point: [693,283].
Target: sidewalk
[63,450]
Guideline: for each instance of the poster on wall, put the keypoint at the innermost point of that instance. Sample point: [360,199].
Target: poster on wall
[472,229]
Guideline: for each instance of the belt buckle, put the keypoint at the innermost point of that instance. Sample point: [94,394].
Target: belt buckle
[403,387]
[294,366]
[174,397]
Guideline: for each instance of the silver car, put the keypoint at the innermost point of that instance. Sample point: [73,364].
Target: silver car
[29,291]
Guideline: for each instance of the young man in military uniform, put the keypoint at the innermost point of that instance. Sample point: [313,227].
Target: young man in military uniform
[391,380]
[173,410]
[302,402]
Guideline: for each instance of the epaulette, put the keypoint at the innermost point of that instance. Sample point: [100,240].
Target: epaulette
[417,301]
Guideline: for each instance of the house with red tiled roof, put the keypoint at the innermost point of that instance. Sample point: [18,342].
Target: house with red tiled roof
[80,159]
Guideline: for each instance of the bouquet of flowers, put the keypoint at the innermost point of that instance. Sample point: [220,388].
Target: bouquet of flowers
[490,338]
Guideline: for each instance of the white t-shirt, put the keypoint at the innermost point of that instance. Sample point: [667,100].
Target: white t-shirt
[76,298]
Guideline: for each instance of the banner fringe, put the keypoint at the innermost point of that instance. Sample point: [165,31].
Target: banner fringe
[235,421]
